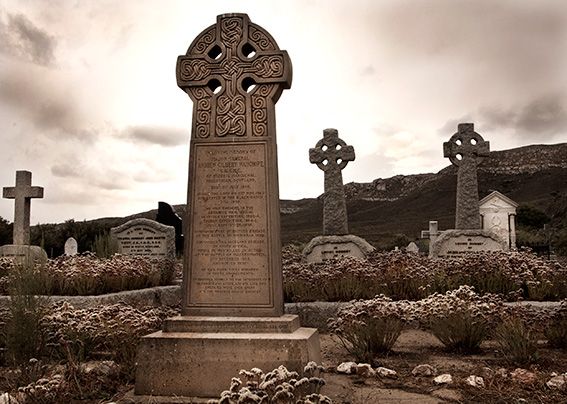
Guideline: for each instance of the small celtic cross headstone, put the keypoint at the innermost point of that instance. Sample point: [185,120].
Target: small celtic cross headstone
[22,194]
[331,154]
[465,150]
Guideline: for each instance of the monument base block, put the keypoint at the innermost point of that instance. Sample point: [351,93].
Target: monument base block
[323,248]
[456,243]
[24,254]
[198,356]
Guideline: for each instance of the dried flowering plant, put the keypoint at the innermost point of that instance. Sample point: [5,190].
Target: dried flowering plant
[517,341]
[515,275]
[461,319]
[86,274]
[278,386]
[369,327]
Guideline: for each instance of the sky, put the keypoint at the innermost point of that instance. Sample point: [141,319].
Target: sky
[89,101]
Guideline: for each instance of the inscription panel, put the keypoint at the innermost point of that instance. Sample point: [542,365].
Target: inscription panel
[230,263]
[455,247]
[142,240]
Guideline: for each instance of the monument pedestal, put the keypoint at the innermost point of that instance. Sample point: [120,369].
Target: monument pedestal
[455,243]
[197,356]
[323,248]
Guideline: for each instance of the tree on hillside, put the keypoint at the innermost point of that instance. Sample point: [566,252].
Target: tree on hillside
[530,217]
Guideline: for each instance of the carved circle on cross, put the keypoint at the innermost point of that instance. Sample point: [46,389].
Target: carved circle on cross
[331,152]
[465,144]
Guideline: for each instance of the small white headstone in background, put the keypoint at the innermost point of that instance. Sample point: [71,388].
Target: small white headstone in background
[71,246]
[412,248]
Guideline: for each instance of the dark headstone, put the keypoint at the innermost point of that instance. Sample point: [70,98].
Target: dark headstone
[166,215]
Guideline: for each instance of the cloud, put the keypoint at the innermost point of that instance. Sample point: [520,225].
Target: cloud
[23,39]
[64,170]
[159,135]
[537,119]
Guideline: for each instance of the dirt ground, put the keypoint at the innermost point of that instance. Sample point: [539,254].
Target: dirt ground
[417,347]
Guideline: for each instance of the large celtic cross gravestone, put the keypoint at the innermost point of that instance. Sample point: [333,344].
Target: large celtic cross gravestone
[232,297]
[22,194]
[331,154]
[234,73]
[465,150]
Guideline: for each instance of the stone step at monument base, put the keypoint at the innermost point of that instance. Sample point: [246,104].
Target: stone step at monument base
[24,254]
[323,248]
[202,360]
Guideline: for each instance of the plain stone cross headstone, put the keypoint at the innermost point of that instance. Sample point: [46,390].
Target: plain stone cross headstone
[71,246]
[331,154]
[232,295]
[22,194]
[465,150]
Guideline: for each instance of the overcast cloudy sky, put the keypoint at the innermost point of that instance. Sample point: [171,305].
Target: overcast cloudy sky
[89,102]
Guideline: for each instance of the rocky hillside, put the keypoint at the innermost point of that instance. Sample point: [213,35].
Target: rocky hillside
[532,175]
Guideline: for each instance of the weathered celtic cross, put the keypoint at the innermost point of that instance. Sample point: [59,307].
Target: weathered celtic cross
[234,72]
[221,71]
[331,154]
[22,194]
[465,150]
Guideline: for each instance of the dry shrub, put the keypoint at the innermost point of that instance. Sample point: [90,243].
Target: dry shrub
[410,276]
[517,341]
[369,327]
[556,326]
[86,274]
[461,319]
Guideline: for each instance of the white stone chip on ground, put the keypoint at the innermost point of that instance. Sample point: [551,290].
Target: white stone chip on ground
[347,368]
[365,370]
[385,372]
[475,381]
[558,382]
[445,378]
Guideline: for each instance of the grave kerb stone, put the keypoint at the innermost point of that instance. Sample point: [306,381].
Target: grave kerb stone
[456,243]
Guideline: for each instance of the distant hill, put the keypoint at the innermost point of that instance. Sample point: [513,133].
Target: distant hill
[386,208]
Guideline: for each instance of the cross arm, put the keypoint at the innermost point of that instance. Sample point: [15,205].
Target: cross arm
[9,192]
[316,155]
[35,192]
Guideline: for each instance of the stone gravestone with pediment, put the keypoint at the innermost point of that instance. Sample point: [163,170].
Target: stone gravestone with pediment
[71,247]
[465,149]
[232,314]
[332,154]
[145,237]
[22,193]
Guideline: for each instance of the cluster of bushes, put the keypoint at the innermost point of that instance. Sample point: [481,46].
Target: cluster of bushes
[515,275]
[86,274]
[461,320]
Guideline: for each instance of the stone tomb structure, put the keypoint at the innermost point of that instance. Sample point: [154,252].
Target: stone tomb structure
[144,237]
[22,193]
[498,214]
[465,149]
[332,154]
[71,247]
[232,295]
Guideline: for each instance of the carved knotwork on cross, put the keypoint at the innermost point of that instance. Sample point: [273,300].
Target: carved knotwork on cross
[465,150]
[234,72]
[22,194]
[331,154]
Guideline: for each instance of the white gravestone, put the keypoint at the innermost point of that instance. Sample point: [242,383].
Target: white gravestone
[71,246]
